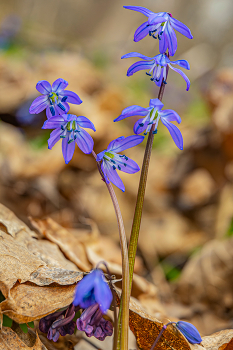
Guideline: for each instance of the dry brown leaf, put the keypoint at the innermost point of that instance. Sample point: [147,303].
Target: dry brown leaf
[67,242]
[28,301]
[11,224]
[207,277]
[217,341]
[9,340]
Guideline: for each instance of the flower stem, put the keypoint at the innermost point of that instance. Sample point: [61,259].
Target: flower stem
[125,263]
[160,334]
[141,194]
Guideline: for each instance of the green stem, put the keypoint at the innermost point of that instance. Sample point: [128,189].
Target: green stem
[124,330]
[138,209]
[141,195]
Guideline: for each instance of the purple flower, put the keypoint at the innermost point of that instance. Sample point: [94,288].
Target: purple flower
[160,24]
[54,98]
[157,67]
[189,331]
[69,128]
[93,289]
[58,323]
[93,323]
[152,115]
[111,161]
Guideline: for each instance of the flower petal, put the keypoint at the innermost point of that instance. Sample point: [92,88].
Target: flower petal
[182,64]
[63,107]
[189,331]
[138,129]
[100,156]
[67,149]
[175,133]
[39,104]
[163,45]
[156,18]
[59,85]
[137,54]
[181,27]
[140,65]
[114,143]
[103,294]
[171,39]
[54,137]
[170,116]
[53,122]
[44,87]
[52,111]
[142,31]
[72,97]
[129,166]
[131,111]
[183,76]
[143,10]
[155,102]
[83,288]
[85,123]
[112,175]
[126,143]
[84,141]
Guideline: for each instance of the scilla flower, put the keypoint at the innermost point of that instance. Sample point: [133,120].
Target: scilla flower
[112,161]
[157,67]
[68,127]
[152,115]
[54,98]
[93,289]
[189,331]
[163,25]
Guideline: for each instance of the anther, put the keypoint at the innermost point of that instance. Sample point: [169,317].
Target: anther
[148,74]
[114,168]
[119,167]
[141,124]
[155,132]
[113,161]
[64,99]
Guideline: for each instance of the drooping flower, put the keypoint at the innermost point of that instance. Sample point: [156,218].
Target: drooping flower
[152,115]
[68,127]
[112,161]
[54,98]
[157,67]
[93,289]
[160,24]
[58,323]
[189,331]
[93,323]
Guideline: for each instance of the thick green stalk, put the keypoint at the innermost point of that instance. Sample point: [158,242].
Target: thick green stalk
[124,330]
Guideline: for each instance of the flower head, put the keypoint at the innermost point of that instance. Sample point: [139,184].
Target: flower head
[93,323]
[157,67]
[152,115]
[58,323]
[93,289]
[112,161]
[68,127]
[189,331]
[54,98]
[160,25]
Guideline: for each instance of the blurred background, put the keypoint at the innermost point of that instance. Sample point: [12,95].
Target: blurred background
[185,244]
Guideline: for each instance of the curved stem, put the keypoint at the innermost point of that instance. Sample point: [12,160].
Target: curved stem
[125,263]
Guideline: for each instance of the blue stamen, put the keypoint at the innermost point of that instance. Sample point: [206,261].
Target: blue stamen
[141,124]
[61,106]
[125,164]
[119,167]
[164,82]
[64,99]
[155,132]
[148,74]
[62,127]
[126,158]
[114,168]
[152,79]
[70,141]
[113,161]
[145,133]
[52,110]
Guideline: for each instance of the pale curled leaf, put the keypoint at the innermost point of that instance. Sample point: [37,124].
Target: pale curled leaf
[9,340]
[67,242]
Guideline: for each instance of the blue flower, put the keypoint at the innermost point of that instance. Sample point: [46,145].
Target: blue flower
[68,127]
[189,331]
[54,98]
[157,67]
[93,289]
[111,161]
[152,115]
[160,24]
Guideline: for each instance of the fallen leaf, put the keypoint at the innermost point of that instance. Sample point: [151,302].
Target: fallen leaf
[222,340]
[10,340]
